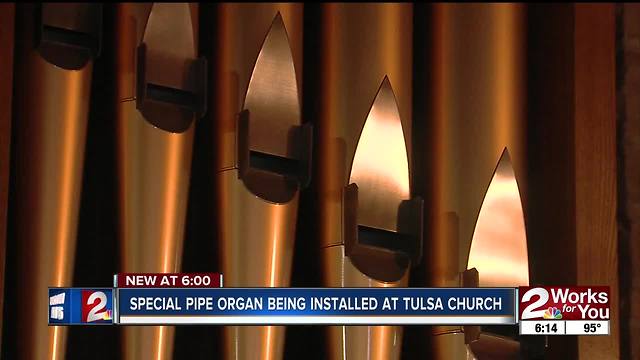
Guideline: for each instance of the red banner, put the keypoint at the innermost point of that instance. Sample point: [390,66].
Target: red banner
[169,280]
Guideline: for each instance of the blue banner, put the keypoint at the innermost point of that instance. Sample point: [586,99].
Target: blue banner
[316,306]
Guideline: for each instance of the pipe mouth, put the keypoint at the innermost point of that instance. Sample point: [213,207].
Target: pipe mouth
[68,35]
[171,109]
[380,264]
[274,178]
[273,148]
[171,86]
[500,252]
[271,187]
[379,253]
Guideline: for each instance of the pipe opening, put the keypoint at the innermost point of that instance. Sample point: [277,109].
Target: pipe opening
[273,163]
[180,98]
[384,239]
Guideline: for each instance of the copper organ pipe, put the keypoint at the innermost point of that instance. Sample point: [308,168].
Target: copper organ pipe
[160,94]
[365,95]
[54,63]
[478,91]
[7,14]
[262,153]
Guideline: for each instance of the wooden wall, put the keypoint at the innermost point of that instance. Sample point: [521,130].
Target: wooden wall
[572,146]
[595,165]
[628,101]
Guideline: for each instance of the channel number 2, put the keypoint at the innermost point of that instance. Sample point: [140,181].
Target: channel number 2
[543,297]
[94,314]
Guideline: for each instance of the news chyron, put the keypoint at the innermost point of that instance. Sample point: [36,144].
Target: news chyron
[69,306]
[200,298]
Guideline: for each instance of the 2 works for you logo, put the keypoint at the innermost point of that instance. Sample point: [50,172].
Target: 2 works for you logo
[564,303]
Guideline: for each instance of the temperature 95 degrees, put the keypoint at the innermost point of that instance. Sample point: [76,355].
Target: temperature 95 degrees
[591,327]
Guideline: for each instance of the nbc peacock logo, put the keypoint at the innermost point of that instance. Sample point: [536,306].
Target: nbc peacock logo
[552,313]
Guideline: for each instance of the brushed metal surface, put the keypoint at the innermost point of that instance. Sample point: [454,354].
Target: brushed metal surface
[240,31]
[479,93]
[499,243]
[482,45]
[380,165]
[359,342]
[170,38]
[51,110]
[154,171]
[257,250]
[272,94]
[361,45]
[259,69]
[154,165]
[130,23]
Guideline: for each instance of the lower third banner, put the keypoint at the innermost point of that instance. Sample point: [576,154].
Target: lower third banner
[330,306]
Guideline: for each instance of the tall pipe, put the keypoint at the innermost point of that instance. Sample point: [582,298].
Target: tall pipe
[478,96]
[366,58]
[7,22]
[54,64]
[261,161]
[160,93]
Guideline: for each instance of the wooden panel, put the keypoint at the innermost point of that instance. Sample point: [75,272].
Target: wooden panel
[629,176]
[595,164]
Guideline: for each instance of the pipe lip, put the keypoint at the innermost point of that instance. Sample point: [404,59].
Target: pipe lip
[273,178]
[273,96]
[273,148]
[170,79]
[382,226]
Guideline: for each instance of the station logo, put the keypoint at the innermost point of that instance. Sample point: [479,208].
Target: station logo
[97,306]
[564,303]
[552,313]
